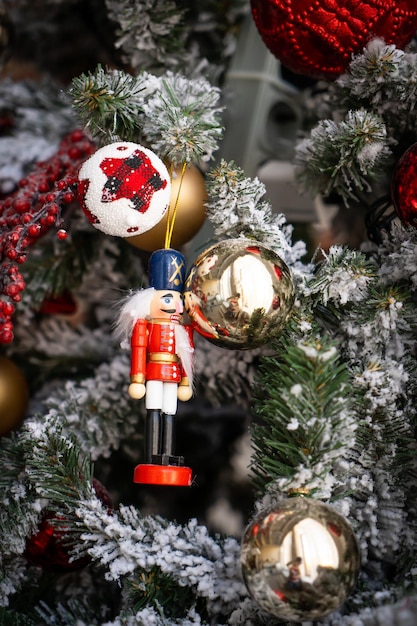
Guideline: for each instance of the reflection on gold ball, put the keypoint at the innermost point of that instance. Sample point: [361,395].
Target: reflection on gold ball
[189,217]
[14,395]
[301,560]
[239,294]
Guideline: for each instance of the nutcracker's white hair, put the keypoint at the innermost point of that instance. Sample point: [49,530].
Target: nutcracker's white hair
[137,306]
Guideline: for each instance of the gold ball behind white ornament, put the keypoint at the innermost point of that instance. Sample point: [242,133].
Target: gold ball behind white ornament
[190,212]
[300,561]
[239,294]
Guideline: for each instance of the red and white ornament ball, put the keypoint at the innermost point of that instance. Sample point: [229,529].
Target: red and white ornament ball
[317,38]
[124,189]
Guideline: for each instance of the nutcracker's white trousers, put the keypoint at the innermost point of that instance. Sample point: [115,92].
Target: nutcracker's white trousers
[163,396]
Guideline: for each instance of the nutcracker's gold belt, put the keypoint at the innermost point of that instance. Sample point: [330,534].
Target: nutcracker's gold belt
[164,357]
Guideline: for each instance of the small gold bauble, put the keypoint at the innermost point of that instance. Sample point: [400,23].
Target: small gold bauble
[239,294]
[301,560]
[14,395]
[189,217]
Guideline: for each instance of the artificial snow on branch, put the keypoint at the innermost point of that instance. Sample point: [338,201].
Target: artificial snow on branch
[150,34]
[177,116]
[343,157]
[237,207]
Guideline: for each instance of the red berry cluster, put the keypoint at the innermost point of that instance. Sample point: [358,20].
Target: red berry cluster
[30,211]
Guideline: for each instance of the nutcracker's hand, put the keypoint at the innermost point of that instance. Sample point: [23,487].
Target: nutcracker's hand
[136,390]
[184,393]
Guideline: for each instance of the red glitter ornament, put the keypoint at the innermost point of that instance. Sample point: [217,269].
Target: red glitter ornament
[404,187]
[317,38]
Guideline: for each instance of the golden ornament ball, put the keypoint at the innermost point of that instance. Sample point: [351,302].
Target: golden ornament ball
[239,294]
[300,561]
[14,396]
[190,213]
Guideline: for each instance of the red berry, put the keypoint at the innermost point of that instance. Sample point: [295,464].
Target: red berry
[34,230]
[11,290]
[76,135]
[43,186]
[6,336]
[62,234]
[8,308]
[21,205]
[68,197]
[53,209]
[12,254]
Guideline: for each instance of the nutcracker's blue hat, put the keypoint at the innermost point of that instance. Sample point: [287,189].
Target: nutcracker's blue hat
[167,269]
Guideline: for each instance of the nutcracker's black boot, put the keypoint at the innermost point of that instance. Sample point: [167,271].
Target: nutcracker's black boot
[152,435]
[168,443]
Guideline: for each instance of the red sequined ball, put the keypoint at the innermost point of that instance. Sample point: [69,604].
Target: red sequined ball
[317,38]
[404,187]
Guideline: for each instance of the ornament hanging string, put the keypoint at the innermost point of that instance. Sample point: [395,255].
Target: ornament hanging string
[171,217]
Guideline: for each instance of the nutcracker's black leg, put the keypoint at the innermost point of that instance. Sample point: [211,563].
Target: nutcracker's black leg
[168,443]
[152,434]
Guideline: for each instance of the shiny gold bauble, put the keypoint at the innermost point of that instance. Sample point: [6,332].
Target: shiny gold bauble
[300,561]
[190,213]
[239,294]
[14,395]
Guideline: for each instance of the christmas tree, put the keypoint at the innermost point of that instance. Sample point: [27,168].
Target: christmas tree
[294,500]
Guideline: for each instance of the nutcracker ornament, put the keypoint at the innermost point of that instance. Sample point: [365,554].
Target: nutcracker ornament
[161,364]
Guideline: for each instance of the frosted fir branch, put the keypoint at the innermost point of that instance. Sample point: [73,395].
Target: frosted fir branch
[309,420]
[376,473]
[396,257]
[54,464]
[151,616]
[373,74]
[126,542]
[98,409]
[49,464]
[20,508]
[382,80]
[345,157]
[178,117]
[236,208]
[74,613]
[225,376]
[249,613]
[14,576]
[40,109]
[150,34]
[344,276]
[41,117]
[401,613]
[109,102]
[182,119]
[381,327]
